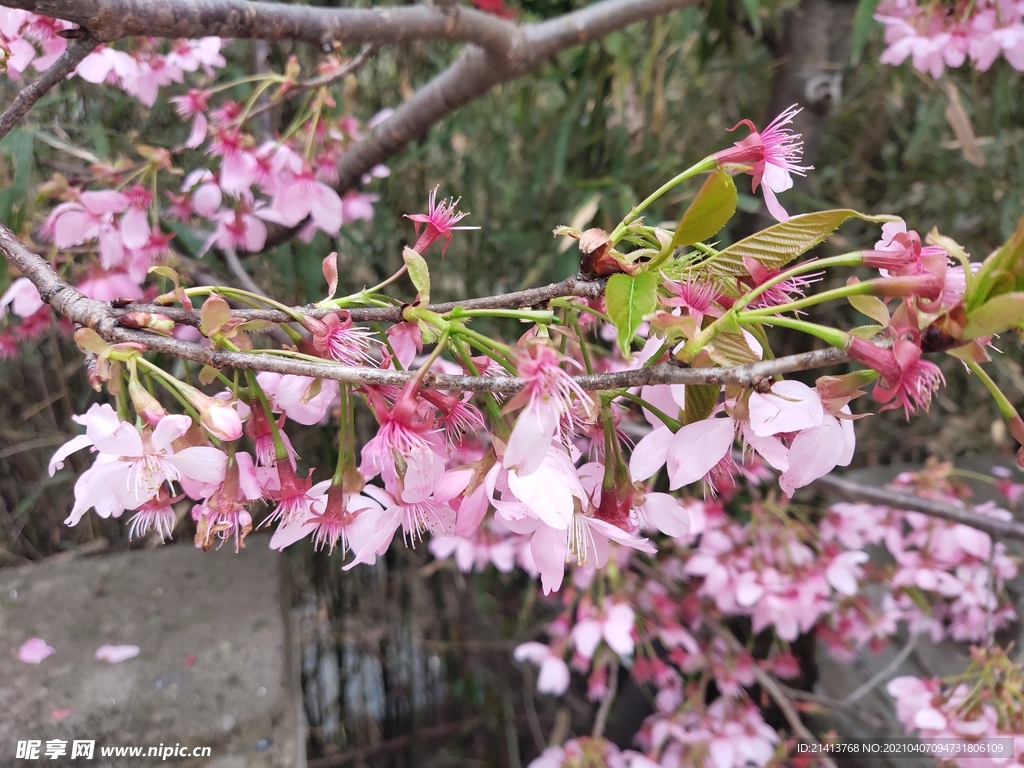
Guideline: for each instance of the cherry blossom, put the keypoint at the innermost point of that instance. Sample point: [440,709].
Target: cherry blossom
[772,155]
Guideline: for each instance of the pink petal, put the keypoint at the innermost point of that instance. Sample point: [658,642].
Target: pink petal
[666,514]
[135,228]
[34,650]
[586,636]
[790,407]
[813,454]
[650,454]
[201,463]
[170,428]
[115,654]
[530,439]
[325,208]
[73,227]
[618,629]
[554,676]
[550,548]
[697,448]
[105,201]
[71,446]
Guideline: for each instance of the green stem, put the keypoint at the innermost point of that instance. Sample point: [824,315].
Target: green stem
[837,339]
[584,350]
[490,401]
[707,164]
[280,451]
[673,424]
[169,383]
[543,316]
[1006,409]
[566,302]
[343,441]
[363,296]
[852,259]
[865,288]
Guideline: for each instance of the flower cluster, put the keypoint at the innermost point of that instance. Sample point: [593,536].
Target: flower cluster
[983,703]
[936,35]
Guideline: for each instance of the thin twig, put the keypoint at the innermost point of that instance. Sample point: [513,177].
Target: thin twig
[31,93]
[606,703]
[352,65]
[834,704]
[882,675]
[772,687]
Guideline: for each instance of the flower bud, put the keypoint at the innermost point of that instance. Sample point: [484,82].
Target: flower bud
[147,406]
[149,321]
[218,417]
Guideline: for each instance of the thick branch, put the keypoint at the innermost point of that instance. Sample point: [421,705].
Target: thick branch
[109,20]
[475,72]
[31,93]
[892,497]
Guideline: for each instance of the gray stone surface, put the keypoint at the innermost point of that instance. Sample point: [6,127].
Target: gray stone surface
[236,696]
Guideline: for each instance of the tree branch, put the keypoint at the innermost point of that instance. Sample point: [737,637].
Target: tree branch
[102,318]
[109,20]
[31,93]
[891,497]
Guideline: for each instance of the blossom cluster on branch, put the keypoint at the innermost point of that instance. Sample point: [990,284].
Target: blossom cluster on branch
[562,443]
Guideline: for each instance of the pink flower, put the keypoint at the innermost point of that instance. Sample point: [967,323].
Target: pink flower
[613,625]
[554,672]
[115,654]
[303,196]
[330,519]
[292,396]
[35,649]
[156,514]
[22,297]
[817,451]
[548,395]
[773,154]
[90,219]
[907,380]
[133,466]
[193,104]
[339,339]
[439,219]
[696,296]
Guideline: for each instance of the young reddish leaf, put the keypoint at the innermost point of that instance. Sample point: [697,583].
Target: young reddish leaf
[330,268]
[207,375]
[710,210]
[628,299]
[89,341]
[214,315]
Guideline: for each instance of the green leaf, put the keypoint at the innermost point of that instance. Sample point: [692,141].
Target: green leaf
[167,272]
[1001,272]
[863,22]
[872,307]
[699,401]
[995,316]
[419,273]
[207,375]
[628,299]
[781,243]
[729,349]
[753,9]
[710,210]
